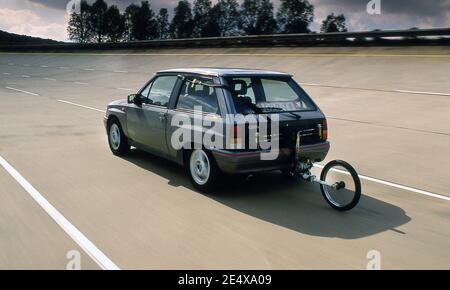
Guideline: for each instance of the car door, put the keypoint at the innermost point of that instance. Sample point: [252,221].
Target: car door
[192,97]
[147,123]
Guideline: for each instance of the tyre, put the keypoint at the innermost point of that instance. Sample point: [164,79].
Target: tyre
[344,187]
[202,170]
[118,142]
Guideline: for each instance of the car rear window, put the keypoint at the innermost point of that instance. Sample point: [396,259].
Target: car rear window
[268,93]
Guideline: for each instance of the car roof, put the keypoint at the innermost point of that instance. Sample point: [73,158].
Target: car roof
[211,71]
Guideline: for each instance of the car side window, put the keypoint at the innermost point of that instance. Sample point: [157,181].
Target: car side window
[160,90]
[146,90]
[244,88]
[194,95]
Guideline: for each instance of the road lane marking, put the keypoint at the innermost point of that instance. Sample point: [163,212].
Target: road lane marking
[44,66]
[388,126]
[392,184]
[89,69]
[125,89]
[25,76]
[377,90]
[81,83]
[121,71]
[422,93]
[22,91]
[95,253]
[63,67]
[82,106]
[50,79]
[6,74]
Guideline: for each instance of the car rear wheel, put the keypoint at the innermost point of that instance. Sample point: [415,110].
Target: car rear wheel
[202,170]
[118,142]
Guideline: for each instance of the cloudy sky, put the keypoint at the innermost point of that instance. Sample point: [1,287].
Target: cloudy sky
[48,18]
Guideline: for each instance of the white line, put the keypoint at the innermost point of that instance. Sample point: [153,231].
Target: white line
[6,74]
[44,66]
[89,69]
[10,63]
[125,89]
[98,256]
[82,106]
[392,184]
[63,67]
[121,71]
[312,85]
[422,93]
[81,83]
[25,65]
[50,79]
[25,76]
[25,92]
[372,89]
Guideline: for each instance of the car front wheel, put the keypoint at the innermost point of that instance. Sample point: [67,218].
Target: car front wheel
[202,170]
[117,140]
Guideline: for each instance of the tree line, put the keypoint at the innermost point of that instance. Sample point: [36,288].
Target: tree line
[98,22]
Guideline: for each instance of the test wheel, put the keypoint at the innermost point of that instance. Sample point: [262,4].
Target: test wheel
[340,185]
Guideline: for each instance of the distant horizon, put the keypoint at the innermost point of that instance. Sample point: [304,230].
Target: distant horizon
[48,19]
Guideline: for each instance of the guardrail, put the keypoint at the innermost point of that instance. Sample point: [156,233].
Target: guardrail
[439,36]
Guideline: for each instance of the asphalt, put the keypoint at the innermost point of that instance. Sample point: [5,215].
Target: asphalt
[389,116]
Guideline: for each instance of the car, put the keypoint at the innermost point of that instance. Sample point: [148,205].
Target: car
[149,120]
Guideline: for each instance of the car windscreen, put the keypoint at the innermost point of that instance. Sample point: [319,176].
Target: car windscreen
[268,94]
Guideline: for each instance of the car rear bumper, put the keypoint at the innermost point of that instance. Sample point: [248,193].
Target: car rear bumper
[234,162]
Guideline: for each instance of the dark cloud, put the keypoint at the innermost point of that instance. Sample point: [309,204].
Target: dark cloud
[122,4]
[395,14]
[400,7]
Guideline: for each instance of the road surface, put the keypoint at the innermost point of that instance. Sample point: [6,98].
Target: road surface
[62,190]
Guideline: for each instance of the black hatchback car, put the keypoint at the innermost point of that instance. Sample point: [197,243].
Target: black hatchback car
[207,99]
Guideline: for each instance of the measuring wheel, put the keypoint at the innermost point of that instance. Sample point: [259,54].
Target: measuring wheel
[340,185]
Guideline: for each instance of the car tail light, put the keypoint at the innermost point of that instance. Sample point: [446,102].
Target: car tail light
[236,139]
[323,130]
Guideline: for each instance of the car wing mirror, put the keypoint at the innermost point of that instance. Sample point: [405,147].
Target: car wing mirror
[130,98]
[136,99]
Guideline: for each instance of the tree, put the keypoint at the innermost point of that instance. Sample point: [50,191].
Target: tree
[141,22]
[97,19]
[334,24]
[162,21]
[79,25]
[130,18]
[115,24]
[228,18]
[202,13]
[182,24]
[257,17]
[294,16]
[212,28]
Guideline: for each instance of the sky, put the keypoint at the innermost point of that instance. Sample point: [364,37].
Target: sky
[48,18]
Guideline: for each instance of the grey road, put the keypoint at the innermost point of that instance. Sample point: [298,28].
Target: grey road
[389,115]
